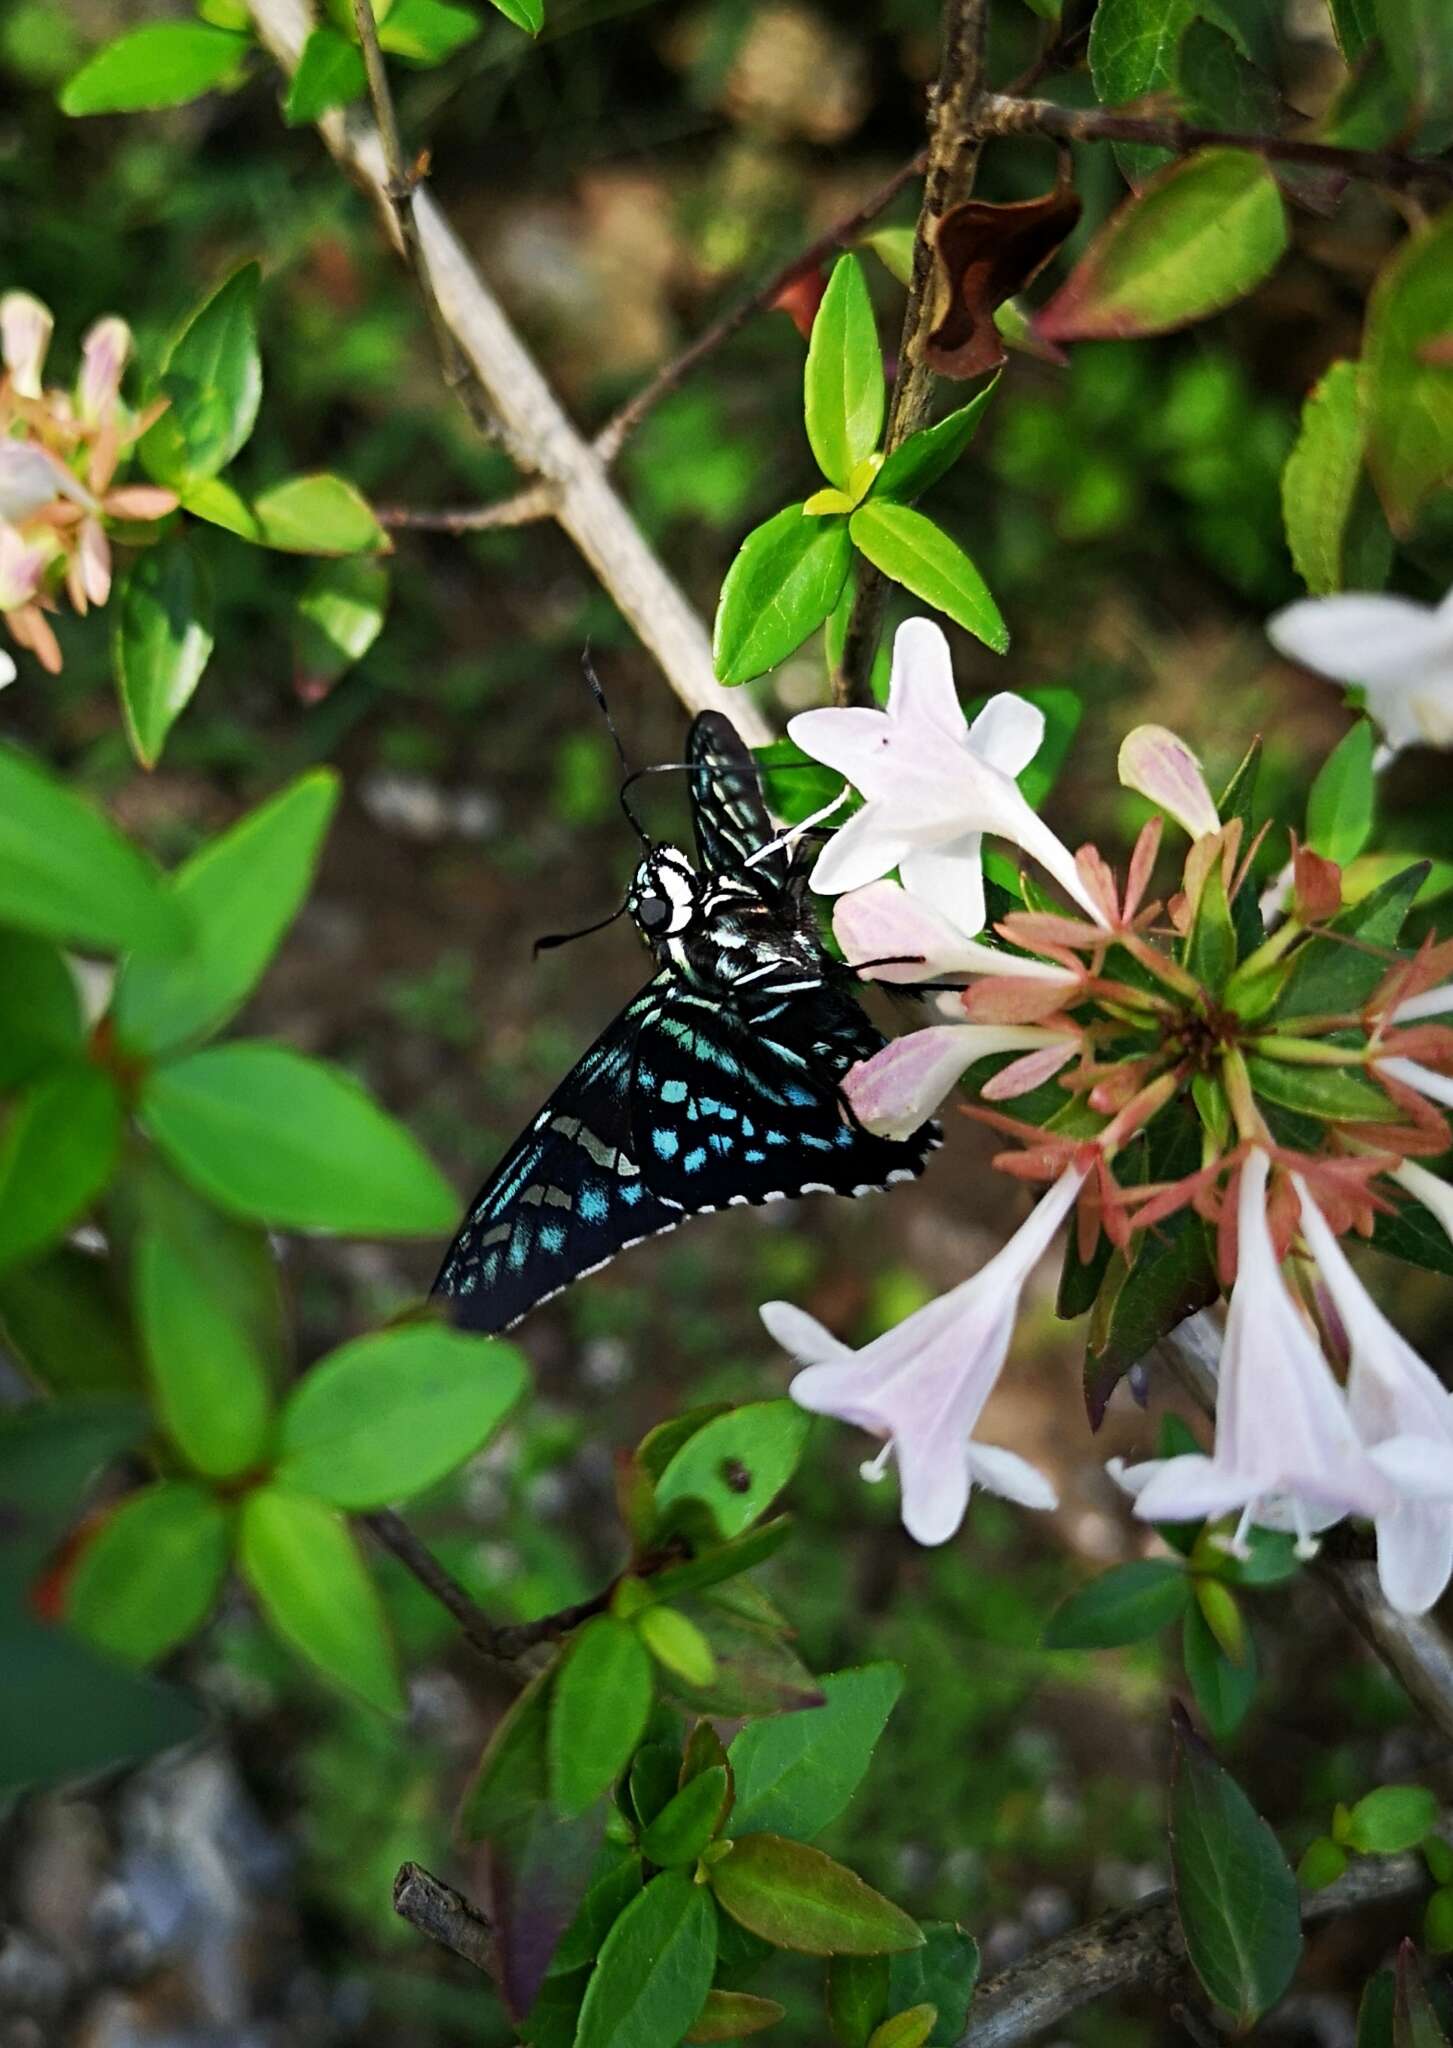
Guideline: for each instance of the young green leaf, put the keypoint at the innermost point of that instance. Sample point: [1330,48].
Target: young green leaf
[737,1464]
[1339,806]
[240,893]
[312,1585]
[1415,2022]
[149,1575]
[1328,973]
[655,1968]
[857,1997]
[339,616]
[426,31]
[1123,1605]
[797,1898]
[1336,533]
[211,1387]
[317,515]
[1409,398]
[330,74]
[910,549]
[691,1819]
[606,1899]
[58,1150]
[843,389]
[1223,1689]
[677,1644]
[264,1132]
[908,2029]
[602,1696]
[387,1415]
[1235,1894]
[65,1322]
[1321,1091]
[163,65]
[212,381]
[795,1773]
[1203,234]
[732,2015]
[526,14]
[161,641]
[1133,50]
[783,581]
[40,1011]
[1323,1862]
[66,873]
[941,1974]
[917,463]
[1391,1819]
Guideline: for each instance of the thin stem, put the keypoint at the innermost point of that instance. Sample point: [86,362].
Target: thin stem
[535,501]
[445,1915]
[953,150]
[1000,114]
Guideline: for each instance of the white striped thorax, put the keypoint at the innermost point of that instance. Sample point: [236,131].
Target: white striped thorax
[664,893]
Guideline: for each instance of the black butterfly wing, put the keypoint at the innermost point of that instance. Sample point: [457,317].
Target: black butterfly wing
[727,810]
[732,1107]
[567,1196]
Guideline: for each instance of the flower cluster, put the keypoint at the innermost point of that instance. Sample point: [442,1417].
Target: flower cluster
[59,456]
[1174,1068]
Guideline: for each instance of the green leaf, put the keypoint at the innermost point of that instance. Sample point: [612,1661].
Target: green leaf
[1321,1091]
[602,1696]
[857,1997]
[240,893]
[1410,399]
[427,31]
[1339,806]
[66,1325]
[737,1464]
[1415,2023]
[908,2029]
[312,1585]
[330,73]
[1204,233]
[655,1968]
[44,1739]
[264,1132]
[149,1575]
[677,1644]
[731,2015]
[338,617]
[390,1414]
[784,580]
[1170,1279]
[1412,1233]
[725,1561]
[1334,529]
[1223,1690]
[1391,1819]
[48,1452]
[1124,1605]
[510,1780]
[941,1974]
[910,549]
[797,1898]
[603,1904]
[1438,1921]
[210,1385]
[212,380]
[58,1150]
[1063,710]
[1415,36]
[793,784]
[161,641]
[843,389]
[1133,50]
[1323,1862]
[526,14]
[1210,950]
[694,1817]
[317,515]
[1235,1895]
[164,65]
[1374,2014]
[795,1773]
[66,873]
[1328,975]
[917,463]
[40,1011]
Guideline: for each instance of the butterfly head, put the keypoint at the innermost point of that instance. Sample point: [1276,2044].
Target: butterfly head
[663,896]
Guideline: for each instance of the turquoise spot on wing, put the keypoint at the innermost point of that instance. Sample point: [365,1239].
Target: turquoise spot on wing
[665,1144]
[631,1193]
[552,1237]
[592,1205]
[674,1091]
[695,1159]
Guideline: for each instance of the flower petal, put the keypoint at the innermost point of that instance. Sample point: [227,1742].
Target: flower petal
[921,686]
[800,1334]
[1357,638]
[859,852]
[903,1084]
[847,738]
[949,879]
[1414,1556]
[1162,767]
[1190,1488]
[1437,1087]
[25,331]
[1008,732]
[1010,1476]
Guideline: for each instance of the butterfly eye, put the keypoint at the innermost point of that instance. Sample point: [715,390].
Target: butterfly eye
[653,913]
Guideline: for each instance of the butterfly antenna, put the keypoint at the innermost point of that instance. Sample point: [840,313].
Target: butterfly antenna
[599,694]
[553,939]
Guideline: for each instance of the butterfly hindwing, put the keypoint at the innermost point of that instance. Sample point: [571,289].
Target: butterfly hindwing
[727,810]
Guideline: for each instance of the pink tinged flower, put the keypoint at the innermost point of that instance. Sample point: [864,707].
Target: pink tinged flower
[894,1091]
[93,562]
[25,330]
[1164,770]
[1433,1002]
[1404,1415]
[22,565]
[1401,653]
[922,1386]
[31,478]
[1287,1452]
[902,939]
[103,358]
[933,786]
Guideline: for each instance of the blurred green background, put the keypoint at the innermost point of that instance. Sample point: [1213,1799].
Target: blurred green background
[620,181]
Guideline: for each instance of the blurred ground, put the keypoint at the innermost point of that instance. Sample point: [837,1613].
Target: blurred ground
[620,184]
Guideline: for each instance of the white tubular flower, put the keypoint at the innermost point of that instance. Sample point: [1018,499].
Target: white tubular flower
[934,786]
[25,331]
[103,358]
[884,929]
[1400,652]
[31,478]
[893,1092]
[1435,1195]
[1287,1453]
[922,1386]
[1433,1002]
[1427,1081]
[1162,768]
[1404,1415]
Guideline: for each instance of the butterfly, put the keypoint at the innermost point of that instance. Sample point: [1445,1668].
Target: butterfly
[719,1084]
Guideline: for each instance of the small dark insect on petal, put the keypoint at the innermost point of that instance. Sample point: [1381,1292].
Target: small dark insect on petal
[735,1475]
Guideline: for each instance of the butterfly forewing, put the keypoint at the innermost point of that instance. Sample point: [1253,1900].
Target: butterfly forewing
[726,802]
